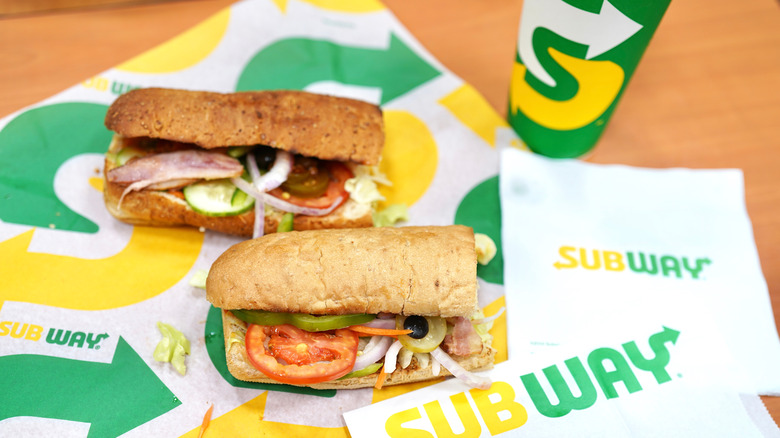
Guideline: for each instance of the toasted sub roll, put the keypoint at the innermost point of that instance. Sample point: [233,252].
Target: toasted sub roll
[405,271]
[315,125]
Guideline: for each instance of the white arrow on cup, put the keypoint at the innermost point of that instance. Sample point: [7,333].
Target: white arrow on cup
[600,32]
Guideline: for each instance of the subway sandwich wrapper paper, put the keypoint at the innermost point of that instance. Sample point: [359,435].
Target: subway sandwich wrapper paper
[595,389]
[591,250]
[81,293]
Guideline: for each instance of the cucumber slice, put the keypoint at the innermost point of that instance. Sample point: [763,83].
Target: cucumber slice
[217,198]
[239,198]
[125,154]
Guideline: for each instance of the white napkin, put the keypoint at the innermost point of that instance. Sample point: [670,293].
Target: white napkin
[591,250]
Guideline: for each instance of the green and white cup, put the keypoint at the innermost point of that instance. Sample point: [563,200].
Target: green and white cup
[573,61]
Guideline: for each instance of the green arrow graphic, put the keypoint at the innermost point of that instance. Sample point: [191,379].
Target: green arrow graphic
[32,148]
[481,210]
[114,397]
[658,363]
[297,62]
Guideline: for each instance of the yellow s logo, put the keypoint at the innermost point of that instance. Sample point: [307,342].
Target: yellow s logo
[599,84]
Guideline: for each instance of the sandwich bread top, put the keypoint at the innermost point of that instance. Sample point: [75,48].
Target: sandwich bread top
[430,271]
[316,125]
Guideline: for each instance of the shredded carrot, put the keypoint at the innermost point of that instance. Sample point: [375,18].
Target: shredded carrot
[176,193]
[380,380]
[378,331]
[206,421]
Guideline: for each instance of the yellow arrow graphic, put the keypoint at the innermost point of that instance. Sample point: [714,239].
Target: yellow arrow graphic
[352,6]
[247,420]
[599,83]
[409,159]
[468,106]
[183,51]
[153,260]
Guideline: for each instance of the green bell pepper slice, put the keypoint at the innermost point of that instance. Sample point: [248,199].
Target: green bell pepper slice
[286,224]
[310,323]
[371,369]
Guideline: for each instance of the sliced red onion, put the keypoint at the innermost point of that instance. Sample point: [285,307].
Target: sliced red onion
[281,204]
[489,319]
[254,172]
[259,227]
[392,356]
[248,188]
[297,209]
[374,350]
[458,371]
[381,323]
[435,366]
[274,177]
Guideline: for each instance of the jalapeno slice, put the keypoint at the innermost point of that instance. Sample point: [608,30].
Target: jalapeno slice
[310,323]
[307,179]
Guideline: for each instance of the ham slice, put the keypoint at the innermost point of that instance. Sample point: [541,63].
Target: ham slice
[463,340]
[173,169]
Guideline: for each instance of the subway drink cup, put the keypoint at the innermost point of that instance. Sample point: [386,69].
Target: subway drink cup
[573,61]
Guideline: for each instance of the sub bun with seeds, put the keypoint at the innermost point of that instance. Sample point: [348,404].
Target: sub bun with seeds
[239,162]
[353,308]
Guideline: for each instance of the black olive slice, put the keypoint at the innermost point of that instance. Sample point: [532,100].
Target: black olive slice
[418,325]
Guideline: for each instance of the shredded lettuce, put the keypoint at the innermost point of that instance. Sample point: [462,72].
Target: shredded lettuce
[236,338]
[363,187]
[486,248]
[390,215]
[172,347]
[198,279]
[483,330]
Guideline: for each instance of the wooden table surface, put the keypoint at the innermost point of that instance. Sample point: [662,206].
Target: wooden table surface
[706,94]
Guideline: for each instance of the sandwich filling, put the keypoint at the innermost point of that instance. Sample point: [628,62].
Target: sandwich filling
[305,349]
[233,180]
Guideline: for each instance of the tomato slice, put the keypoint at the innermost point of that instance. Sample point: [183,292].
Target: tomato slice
[288,354]
[339,174]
